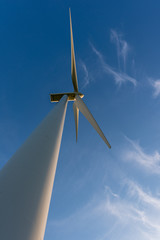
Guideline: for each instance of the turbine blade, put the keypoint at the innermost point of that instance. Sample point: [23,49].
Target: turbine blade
[85,111]
[73,62]
[76,118]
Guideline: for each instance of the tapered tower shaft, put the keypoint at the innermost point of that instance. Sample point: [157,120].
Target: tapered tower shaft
[26,181]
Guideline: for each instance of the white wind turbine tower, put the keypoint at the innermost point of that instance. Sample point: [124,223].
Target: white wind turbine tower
[26,181]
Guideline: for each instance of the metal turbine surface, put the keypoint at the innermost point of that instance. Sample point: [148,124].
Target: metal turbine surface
[76,96]
[73,61]
[26,181]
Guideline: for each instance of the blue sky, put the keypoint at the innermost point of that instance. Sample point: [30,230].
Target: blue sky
[100,194]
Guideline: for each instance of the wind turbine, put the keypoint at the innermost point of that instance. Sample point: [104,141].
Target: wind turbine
[26,181]
[76,96]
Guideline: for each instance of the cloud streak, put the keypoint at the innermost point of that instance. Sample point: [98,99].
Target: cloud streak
[121,46]
[117,214]
[141,210]
[150,162]
[119,77]
[144,197]
[86,74]
[156,86]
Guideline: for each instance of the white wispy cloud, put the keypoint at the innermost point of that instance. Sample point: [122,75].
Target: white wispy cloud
[135,153]
[124,210]
[108,189]
[156,86]
[112,215]
[132,212]
[144,197]
[86,76]
[121,46]
[119,77]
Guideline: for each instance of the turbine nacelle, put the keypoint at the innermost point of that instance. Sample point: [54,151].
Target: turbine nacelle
[55,97]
